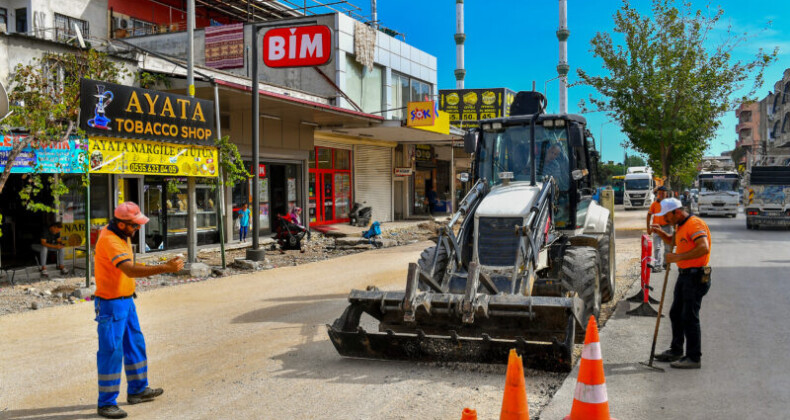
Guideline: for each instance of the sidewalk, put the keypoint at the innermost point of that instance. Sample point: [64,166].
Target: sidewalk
[340,230]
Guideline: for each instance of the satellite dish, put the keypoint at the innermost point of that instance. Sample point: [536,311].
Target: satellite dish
[79,35]
[3,103]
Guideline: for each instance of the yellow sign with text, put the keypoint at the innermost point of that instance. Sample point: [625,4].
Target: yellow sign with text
[122,156]
[420,114]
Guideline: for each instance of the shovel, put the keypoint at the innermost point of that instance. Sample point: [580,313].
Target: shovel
[649,363]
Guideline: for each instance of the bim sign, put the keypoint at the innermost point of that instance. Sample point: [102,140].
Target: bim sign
[300,46]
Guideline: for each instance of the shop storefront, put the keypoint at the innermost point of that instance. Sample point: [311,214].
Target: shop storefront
[329,185]
[281,191]
[21,226]
[143,147]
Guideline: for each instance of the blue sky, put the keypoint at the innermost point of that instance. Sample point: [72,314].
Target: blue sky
[511,43]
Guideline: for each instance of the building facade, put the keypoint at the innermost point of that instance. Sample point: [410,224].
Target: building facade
[370,74]
[748,130]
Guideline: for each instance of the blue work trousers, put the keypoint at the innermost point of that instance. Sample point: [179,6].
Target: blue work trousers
[121,343]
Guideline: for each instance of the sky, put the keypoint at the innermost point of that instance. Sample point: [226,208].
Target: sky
[511,43]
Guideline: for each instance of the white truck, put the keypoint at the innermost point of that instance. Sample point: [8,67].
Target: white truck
[718,193]
[767,199]
[638,188]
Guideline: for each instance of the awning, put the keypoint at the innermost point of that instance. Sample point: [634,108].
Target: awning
[393,130]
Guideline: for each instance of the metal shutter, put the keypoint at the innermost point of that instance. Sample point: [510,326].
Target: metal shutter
[333,145]
[373,180]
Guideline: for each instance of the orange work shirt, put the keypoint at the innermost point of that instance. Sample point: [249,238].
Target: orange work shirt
[656,208]
[111,251]
[686,233]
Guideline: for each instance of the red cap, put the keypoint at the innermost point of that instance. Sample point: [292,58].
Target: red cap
[130,212]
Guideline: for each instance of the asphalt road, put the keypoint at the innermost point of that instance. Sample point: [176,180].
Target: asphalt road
[745,340]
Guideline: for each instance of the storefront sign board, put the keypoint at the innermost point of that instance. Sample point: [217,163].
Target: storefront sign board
[117,156]
[420,114]
[297,46]
[403,171]
[64,157]
[111,110]
[468,106]
[423,152]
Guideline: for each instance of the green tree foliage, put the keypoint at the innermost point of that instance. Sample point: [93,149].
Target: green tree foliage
[634,161]
[44,98]
[670,79]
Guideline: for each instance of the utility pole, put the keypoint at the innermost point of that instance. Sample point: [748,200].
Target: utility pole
[255,253]
[191,190]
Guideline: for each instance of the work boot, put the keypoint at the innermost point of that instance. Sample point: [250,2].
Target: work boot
[111,412]
[147,395]
[669,356]
[686,363]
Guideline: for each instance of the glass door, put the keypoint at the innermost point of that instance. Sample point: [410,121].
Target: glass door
[155,229]
[327,197]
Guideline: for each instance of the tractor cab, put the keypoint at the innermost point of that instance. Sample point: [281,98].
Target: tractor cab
[530,148]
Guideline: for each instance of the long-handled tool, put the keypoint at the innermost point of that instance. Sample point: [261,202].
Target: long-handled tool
[658,318]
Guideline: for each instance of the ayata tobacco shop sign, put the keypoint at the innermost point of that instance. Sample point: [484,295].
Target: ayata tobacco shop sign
[111,110]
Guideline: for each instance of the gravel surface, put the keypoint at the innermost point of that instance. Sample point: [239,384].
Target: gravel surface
[39,293]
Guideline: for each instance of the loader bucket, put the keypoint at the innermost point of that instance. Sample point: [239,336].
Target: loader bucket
[541,329]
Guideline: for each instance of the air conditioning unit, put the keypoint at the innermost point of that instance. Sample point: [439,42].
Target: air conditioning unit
[123,23]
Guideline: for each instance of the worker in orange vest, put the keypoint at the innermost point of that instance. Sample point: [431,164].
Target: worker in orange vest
[121,342]
[653,219]
[692,256]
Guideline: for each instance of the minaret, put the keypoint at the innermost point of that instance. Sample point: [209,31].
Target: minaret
[460,36]
[562,66]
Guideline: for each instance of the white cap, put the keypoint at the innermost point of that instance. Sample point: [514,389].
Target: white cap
[669,204]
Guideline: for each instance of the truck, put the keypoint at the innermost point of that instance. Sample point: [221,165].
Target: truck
[638,188]
[718,193]
[767,199]
[524,262]
[618,182]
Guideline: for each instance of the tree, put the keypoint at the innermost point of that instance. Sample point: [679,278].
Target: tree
[44,98]
[634,161]
[665,85]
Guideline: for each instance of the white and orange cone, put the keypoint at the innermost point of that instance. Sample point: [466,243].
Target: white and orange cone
[590,401]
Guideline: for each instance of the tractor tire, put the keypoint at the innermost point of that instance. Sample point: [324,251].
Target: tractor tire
[581,269]
[608,264]
[425,261]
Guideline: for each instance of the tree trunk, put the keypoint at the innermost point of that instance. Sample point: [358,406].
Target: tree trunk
[16,149]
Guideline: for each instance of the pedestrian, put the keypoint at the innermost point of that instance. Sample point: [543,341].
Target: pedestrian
[653,219]
[121,342]
[692,256]
[51,242]
[244,222]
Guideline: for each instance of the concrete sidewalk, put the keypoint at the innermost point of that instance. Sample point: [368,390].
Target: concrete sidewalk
[626,341]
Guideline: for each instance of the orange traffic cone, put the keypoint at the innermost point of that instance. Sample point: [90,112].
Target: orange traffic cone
[514,403]
[469,414]
[590,401]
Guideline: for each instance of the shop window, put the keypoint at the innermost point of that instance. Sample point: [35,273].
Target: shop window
[324,158]
[342,159]
[311,159]
[786,123]
[4,17]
